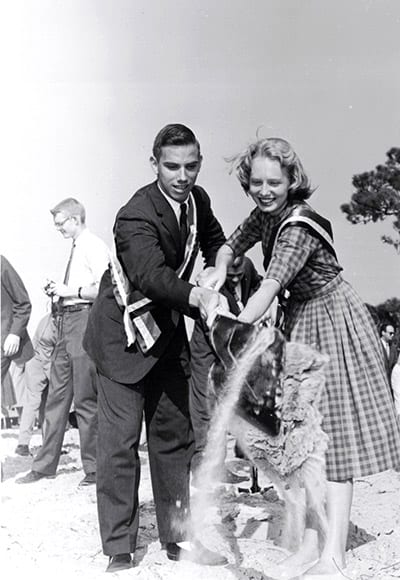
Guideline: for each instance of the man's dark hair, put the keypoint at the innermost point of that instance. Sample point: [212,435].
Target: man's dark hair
[384,326]
[173,134]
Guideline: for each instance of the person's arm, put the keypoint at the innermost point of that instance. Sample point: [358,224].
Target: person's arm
[260,302]
[214,277]
[242,239]
[83,292]
[11,344]
[209,302]
[293,248]
[21,304]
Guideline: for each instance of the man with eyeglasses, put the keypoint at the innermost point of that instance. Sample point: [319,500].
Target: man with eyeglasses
[72,374]
[387,332]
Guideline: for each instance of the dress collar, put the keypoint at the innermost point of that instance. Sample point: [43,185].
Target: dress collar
[275,220]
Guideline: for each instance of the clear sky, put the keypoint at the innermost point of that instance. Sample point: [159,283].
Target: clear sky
[90,82]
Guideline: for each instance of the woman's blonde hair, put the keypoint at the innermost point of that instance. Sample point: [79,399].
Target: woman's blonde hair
[277,149]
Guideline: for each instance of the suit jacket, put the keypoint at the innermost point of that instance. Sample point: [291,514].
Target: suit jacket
[148,247]
[15,311]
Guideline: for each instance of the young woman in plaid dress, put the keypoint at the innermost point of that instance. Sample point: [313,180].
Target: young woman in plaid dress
[323,311]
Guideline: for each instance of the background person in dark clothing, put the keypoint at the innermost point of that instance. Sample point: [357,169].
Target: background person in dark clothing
[242,281]
[390,353]
[15,342]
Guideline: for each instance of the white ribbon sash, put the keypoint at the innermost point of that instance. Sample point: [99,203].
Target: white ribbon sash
[142,326]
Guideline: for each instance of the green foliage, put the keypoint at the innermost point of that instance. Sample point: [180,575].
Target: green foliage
[377,196]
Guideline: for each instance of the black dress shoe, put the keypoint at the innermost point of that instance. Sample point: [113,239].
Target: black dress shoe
[119,562]
[198,554]
[72,420]
[22,450]
[89,479]
[33,476]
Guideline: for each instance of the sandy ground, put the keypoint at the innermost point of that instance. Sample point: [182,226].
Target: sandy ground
[49,528]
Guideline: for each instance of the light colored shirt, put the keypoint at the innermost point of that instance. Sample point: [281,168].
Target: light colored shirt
[385,347]
[175,205]
[89,262]
[396,386]
[237,294]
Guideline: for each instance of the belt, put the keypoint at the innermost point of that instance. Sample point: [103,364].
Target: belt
[329,287]
[75,307]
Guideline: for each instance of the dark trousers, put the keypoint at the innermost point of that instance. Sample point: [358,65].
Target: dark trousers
[202,399]
[72,376]
[8,398]
[163,397]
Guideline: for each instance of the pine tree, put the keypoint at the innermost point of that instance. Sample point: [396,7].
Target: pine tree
[377,196]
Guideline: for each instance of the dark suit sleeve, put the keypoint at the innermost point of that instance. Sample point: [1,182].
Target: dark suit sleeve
[21,305]
[211,235]
[143,259]
[202,357]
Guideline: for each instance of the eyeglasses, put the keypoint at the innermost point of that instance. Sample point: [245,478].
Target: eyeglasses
[59,225]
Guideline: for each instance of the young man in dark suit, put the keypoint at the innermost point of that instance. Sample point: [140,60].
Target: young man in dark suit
[390,354]
[136,336]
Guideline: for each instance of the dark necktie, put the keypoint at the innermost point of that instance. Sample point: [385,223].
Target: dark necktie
[68,268]
[183,228]
[56,305]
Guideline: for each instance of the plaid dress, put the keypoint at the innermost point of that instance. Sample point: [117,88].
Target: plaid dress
[325,312]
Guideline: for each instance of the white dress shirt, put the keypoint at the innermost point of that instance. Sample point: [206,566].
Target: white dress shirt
[237,294]
[175,205]
[386,347]
[90,259]
[396,386]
